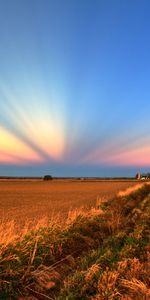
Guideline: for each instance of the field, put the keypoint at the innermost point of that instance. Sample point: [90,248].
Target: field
[101,254]
[33,200]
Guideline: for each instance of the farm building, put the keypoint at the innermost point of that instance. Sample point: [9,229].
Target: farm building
[143,176]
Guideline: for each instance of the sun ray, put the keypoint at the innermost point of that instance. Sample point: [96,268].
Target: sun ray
[14,149]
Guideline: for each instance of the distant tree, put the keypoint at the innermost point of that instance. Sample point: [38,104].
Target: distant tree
[47,177]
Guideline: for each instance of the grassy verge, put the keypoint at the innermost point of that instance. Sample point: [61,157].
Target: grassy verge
[103,254]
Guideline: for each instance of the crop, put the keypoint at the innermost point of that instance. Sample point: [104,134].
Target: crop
[28,201]
[100,254]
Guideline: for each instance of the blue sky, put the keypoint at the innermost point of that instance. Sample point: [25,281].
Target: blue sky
[74,87]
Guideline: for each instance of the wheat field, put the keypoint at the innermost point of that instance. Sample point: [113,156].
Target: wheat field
[103,253]
[32,200]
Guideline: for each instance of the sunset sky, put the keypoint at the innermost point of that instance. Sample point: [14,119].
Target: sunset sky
[74,87]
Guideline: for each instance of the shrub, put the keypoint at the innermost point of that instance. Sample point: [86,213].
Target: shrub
[48,177]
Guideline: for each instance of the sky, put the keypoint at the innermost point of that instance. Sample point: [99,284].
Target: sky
[74,87]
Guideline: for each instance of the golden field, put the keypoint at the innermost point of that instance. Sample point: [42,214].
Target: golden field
[100,254]
[23,201]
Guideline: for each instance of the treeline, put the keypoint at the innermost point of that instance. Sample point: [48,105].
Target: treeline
[65,178]
[20,177]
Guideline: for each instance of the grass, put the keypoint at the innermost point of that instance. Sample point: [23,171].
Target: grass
[101,254]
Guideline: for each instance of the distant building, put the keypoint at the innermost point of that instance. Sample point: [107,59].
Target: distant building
[138,176]
[145,176]
[142,176]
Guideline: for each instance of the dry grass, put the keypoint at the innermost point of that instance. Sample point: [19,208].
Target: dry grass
[130,190]
[137,288]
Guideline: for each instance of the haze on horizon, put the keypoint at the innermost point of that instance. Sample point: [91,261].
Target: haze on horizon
[74,87]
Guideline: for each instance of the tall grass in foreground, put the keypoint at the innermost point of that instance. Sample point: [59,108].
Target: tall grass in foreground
[101,254]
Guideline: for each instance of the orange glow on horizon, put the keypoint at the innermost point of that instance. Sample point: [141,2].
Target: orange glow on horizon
[7,159]
[13,150]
